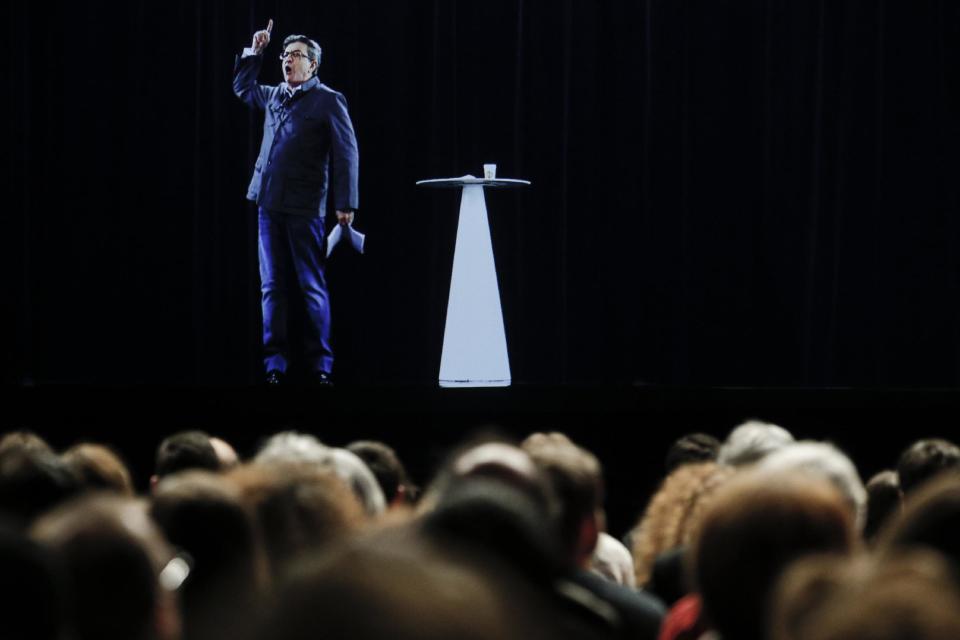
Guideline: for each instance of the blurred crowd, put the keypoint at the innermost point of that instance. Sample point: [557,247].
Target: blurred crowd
[757,536]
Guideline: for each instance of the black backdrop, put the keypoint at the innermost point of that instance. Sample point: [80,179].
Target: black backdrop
[743,192]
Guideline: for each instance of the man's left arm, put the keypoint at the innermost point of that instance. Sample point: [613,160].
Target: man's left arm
[346,161]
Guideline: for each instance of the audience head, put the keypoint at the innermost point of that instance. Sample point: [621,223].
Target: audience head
[32,607]
[298,448]
[201,514]
[387,469]
[226,454]
[924,460]
[291,447]
[576,478]
[751,441]
[758,524]
[23,440]
[185,450]
[907,596]
[493,496]
[497,518]
[826,460]
[673,514]
[691,449]
[500,524]
[405,587]
[99,467]
[299,508]
[884,501]
[500,460]
[352,470]
[112,555]
[930,519]
[32,480]
[494,459]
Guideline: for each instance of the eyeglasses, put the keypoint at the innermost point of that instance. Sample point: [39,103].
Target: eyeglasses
[296,55]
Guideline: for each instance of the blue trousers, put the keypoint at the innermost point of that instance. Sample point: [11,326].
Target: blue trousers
[292,240]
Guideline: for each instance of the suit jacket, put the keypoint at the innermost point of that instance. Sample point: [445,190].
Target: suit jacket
[640,613]
[306,139]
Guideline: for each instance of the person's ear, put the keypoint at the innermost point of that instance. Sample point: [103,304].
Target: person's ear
[400,498]
[587,539]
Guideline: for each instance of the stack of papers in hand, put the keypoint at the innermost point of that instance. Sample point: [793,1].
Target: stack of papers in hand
[355,238]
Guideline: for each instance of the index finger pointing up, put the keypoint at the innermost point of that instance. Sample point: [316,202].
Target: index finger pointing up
[270,25]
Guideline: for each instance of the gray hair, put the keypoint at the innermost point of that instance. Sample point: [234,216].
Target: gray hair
[351,469]
[752,441]
[827,461]
[314,52]
[292,447]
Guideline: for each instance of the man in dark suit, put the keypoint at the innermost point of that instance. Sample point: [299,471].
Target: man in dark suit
[577,479]
[308,148]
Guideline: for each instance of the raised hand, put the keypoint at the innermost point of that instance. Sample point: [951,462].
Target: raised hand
[262,38]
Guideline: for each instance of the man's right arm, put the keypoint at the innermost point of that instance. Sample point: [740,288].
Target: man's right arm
[247,68]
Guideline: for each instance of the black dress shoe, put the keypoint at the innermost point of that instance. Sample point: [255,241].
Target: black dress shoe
[322,379]
[274,378]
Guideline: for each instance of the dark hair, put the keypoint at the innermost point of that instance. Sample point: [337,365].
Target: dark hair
[924,459]
[500,519]
[201,513]
[32,584]
[410,587]
[692,448]
[110,565]
[32,481]
[759,524]
[385,465]
[930,519]
[314,52]
[186,450]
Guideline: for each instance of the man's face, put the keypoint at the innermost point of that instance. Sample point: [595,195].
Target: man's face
[297,69]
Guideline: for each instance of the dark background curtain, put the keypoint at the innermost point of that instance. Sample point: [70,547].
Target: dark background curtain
[751,192]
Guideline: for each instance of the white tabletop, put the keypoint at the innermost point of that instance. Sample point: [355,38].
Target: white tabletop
[463,181]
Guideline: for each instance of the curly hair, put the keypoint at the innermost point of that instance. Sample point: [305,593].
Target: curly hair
[674,512]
